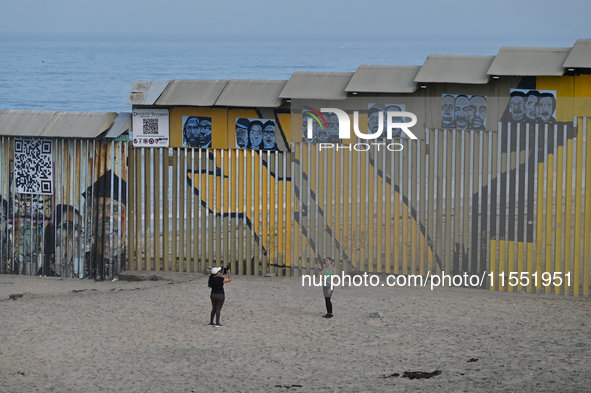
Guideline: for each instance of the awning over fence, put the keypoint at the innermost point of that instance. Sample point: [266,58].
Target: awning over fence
[121,125]
[383,79]
[580,55]
[192,92]
[53,124]
[317,85]
[455,69]
[252,93]
[146,92]
[529,61]
[380,79]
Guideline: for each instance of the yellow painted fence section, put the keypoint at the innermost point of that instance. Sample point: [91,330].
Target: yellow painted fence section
[510,206]
[199,208]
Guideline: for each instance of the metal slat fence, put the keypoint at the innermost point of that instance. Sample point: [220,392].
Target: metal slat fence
[196,208]
[509,205]
[78,230]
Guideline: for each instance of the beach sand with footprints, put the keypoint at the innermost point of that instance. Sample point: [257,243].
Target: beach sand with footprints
[69,335]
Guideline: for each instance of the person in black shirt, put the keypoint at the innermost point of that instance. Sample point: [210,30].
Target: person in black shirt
[216,283]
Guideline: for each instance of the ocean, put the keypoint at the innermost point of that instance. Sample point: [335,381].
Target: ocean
[77,74]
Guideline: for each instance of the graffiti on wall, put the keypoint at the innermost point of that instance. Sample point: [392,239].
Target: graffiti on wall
[531,106]
[77,231]
[463,112]
[196,131]
[377,111]
[255,134]
[325,129]
[106,217]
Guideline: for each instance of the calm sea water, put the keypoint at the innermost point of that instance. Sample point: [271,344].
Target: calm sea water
[96,75]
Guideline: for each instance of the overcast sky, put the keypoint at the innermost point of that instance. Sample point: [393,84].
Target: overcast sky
[567,19]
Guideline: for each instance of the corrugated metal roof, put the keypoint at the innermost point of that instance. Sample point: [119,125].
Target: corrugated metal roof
[317,85]
[528,61]
[121,124]
[383,79]
[252,93]
[156,89]
[138,92]
[580,55]
[51,124]
[455,69]
[191,92]
[146,92]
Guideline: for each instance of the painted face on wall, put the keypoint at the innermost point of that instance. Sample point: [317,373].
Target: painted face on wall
[396,132]
[322,134]
[333,126]
[531,107]
[269,137]
[192,132]
[447,111]
[305,129]
[241,137]
[477,113]
[34,206]
[204,133]
[461,111]
[113,244]
[373,121]
[546,108]
[68,232]
[517,107]
[256,135]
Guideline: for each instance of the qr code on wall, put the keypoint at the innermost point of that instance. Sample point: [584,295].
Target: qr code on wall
[150,126]
[33,169]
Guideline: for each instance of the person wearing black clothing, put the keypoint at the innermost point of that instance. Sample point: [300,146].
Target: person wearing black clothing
[216,283]
[327,288]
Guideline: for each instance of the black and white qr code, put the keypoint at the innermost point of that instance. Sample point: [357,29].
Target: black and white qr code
[33,167]
[150,126]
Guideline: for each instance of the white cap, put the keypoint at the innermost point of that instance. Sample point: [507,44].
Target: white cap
[215,270]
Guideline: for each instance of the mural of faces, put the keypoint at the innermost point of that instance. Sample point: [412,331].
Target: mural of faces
[269,135]
[64,251]
[448,111]
[108,244]
[531,106]
[375,111]
[463,112]
[397,132]
[477,113]
[321,133]
[241,137]
[546,108]
[255,134]
[373,120]
[315,126]
[517,107]
[196,131]
[333,127]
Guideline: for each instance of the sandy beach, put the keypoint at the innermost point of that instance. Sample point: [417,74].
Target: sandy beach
[70,335]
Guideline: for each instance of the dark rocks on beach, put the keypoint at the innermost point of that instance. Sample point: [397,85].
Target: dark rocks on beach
[414,374]
[140,277]
[288,386]
[419,374]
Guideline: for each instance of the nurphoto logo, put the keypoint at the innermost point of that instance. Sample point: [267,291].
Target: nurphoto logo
[344,128]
